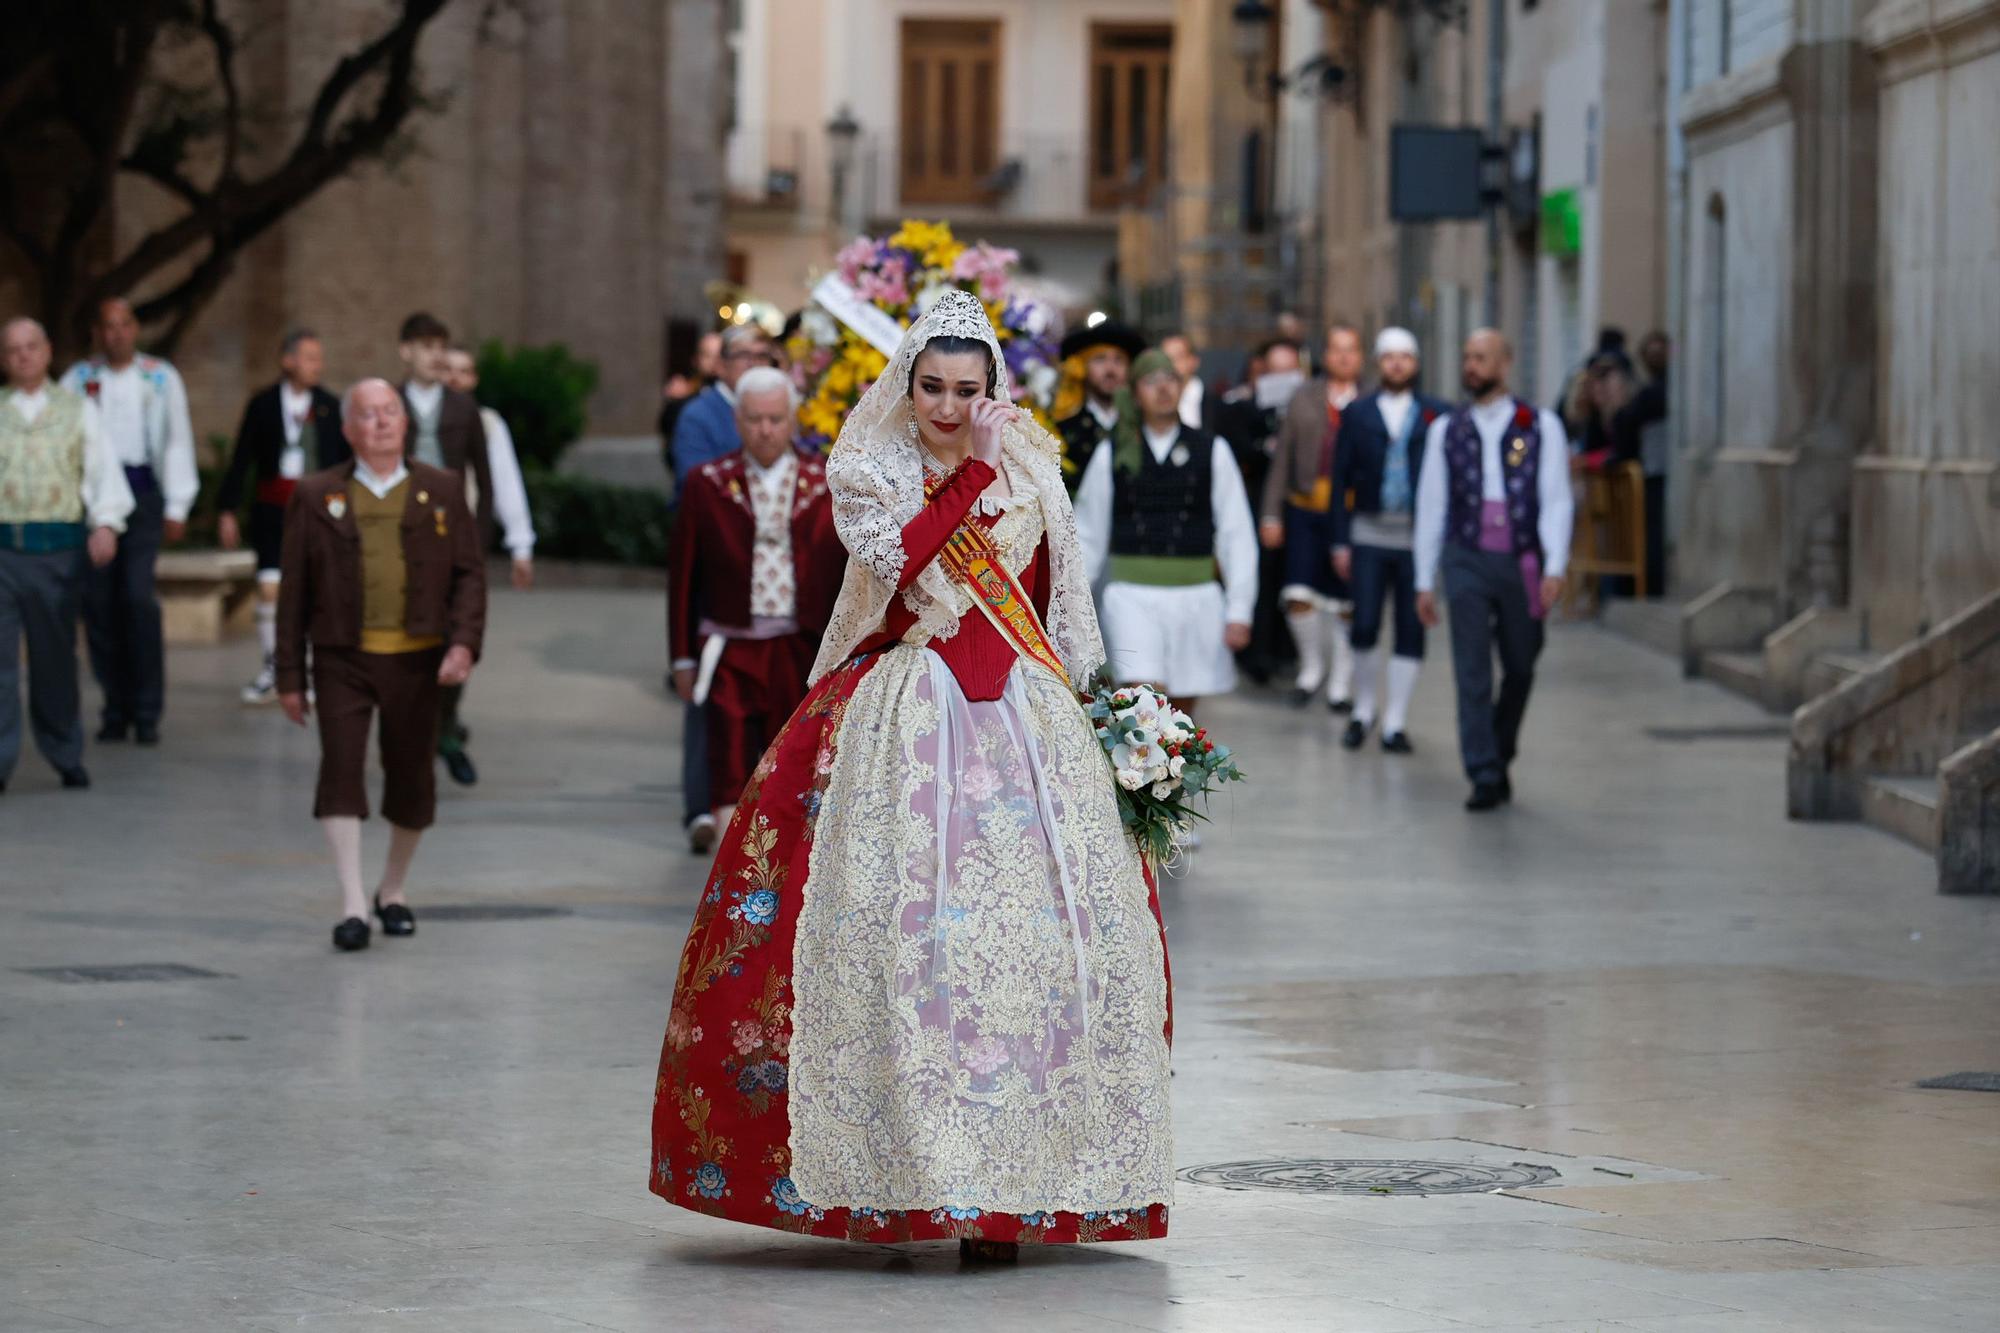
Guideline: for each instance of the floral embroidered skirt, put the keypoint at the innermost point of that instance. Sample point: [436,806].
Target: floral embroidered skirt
[926,992]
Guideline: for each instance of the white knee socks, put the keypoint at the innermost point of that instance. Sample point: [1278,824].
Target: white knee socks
[1402,684]
[1309,632]
[267,628]
[1367,661]
[343,838]
[402,849]
[1340,682]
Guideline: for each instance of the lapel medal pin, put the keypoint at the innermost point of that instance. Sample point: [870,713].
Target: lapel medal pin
[336,505]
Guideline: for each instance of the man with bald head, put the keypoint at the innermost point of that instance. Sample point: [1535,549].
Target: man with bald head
[144,410]
[382,574]
[1494,511]
[63,502]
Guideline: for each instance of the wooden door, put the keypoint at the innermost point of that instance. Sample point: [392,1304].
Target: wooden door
[951,109]
[1129,68]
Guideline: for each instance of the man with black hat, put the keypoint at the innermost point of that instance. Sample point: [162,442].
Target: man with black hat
[1156,514]
[1105,350]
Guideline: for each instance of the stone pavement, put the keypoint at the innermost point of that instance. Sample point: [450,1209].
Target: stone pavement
[1696,1025]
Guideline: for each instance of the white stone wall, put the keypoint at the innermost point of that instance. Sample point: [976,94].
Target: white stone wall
[1927,497]
[1726,35]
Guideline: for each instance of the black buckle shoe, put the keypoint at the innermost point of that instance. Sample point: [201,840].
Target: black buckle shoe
[1397,742]
[350,935]
[459,764]
[1343,707]
[1356,733]
[1485,796]
[396,918]
[75,779]
[1506,789]
[147,733]
[113,731]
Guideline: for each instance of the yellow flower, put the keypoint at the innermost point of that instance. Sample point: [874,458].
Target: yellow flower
[931,242]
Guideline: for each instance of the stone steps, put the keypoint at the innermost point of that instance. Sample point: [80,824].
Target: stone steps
[1741,672]
[1904,805]
[1657,624]
[1830,670]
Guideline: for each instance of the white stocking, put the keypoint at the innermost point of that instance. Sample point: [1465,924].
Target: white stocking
[1402,684]
[267,628]
[343,838]
[1309,632]
[1340,684]
[1366,661]
[402,850]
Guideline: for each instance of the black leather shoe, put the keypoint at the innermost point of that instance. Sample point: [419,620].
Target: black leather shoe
[147,733]
[459,764]
[1506,788]
[350,935]
[396,918]
[1356,733]
[1397,742]
[1485,796]
[76,779]
[1341,706]
[113,731]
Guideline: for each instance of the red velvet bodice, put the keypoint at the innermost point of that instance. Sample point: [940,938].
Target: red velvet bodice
[978,656]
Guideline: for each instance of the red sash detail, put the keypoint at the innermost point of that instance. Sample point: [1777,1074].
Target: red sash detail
[971,558]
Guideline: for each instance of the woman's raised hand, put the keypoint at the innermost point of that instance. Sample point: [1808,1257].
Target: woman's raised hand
[990,419]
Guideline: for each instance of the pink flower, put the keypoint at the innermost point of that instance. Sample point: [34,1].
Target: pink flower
[854,256]
[745,1036]
[781,1042]
[985,1056]
[981,783]
[681,1032]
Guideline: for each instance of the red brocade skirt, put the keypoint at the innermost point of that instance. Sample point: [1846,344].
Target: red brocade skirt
[723,1115]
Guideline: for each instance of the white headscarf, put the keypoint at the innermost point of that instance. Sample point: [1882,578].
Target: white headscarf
[876,476]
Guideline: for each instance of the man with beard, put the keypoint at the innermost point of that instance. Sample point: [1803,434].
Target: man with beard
[1106,350]
[1494,509]
[1378,459]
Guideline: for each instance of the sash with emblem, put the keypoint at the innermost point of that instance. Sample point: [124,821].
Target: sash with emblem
[971,559]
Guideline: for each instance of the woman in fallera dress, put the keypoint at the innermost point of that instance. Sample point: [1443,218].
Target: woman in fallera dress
[925,995]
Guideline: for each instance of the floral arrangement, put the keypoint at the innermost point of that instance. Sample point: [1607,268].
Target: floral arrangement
[901,275]
[1162,762]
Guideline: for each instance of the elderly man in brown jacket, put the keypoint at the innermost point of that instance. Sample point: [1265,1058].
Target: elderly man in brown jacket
[382,574]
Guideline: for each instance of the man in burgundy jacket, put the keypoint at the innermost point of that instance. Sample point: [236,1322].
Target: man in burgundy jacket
[755,567]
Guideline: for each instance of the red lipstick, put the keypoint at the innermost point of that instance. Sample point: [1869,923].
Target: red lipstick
[948,428]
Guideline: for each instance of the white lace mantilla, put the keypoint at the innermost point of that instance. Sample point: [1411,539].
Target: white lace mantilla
[876,476]
[979,984]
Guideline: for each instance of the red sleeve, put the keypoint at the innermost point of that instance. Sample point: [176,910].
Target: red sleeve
[925,535]
[683,616]
[1038,589]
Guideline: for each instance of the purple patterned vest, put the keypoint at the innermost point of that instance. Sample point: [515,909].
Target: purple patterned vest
[1520,461]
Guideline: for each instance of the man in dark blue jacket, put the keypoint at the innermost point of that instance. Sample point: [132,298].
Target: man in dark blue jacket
[1376,459]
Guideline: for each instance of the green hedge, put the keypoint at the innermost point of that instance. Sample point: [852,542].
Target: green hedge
[542,392]
[578,518]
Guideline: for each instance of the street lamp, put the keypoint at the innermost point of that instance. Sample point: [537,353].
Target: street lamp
[1250,24]
[843,134]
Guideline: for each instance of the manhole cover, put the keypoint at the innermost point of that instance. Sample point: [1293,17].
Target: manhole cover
[1968,1082]
[122,972]
[488,912]
[1369,1175]
[1749,731]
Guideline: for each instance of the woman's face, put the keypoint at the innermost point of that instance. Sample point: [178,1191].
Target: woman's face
[943,390]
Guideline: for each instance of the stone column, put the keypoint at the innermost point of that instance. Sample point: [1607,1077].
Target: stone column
[696,110]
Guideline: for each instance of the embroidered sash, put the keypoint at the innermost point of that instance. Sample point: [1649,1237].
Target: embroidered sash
[971,558]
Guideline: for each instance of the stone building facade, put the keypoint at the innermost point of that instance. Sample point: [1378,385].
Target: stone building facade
[1842,305]
[563,192]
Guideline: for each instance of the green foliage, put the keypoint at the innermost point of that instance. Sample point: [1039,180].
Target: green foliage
[578,518]
[541,391]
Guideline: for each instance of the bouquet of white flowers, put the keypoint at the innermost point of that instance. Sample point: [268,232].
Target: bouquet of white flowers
[1162,762]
